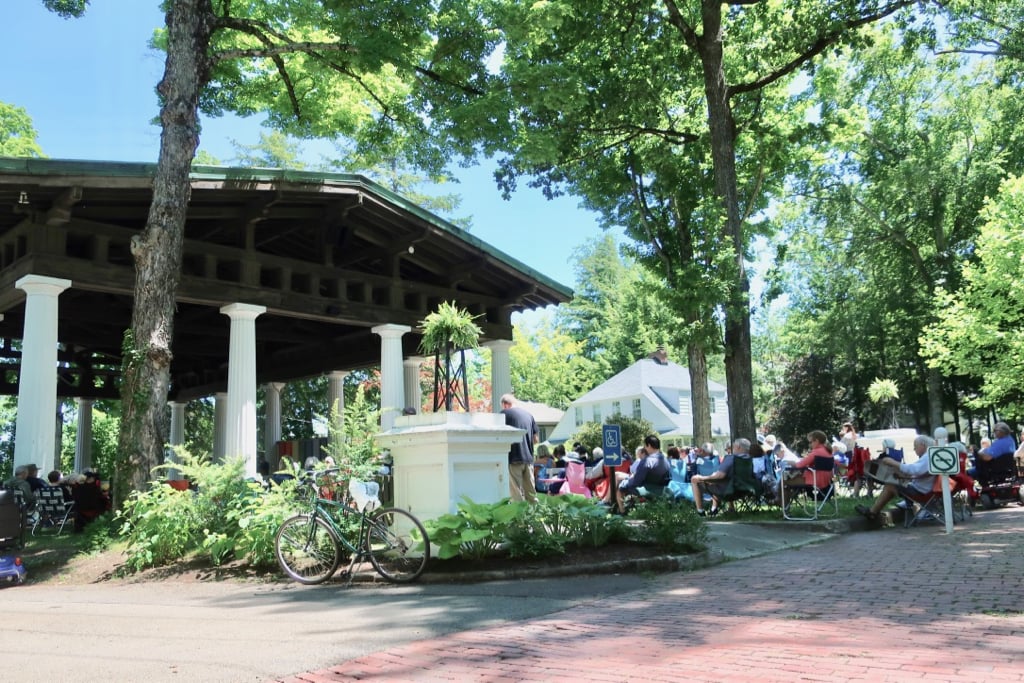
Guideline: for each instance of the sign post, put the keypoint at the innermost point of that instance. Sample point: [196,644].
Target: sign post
[943,461]
[611,443]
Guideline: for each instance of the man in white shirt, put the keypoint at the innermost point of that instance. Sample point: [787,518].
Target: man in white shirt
[920,481]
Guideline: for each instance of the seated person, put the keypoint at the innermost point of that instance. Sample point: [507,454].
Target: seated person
[714,483]
[1002,447]
[20,482]
[543,483]
[90,501]
[559,455]
[650,474]
[919,481]
[821,477]
[33,478]
[595,469]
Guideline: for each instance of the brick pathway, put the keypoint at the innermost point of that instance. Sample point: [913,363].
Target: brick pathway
[888,605]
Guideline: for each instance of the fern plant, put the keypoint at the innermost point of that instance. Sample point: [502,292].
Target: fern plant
[448,331]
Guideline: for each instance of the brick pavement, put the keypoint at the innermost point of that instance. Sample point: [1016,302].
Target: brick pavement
[886,605]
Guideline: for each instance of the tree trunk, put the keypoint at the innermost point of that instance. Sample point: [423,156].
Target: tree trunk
[157,250]
[738,355]
[936,417]
[699,395]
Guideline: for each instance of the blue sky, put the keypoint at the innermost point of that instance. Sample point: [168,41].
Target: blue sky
[88,85]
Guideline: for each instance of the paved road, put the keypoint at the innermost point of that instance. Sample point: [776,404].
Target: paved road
[741,620]
[889,605]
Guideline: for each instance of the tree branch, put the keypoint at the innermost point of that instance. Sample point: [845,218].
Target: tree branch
[816,48]
[675,17]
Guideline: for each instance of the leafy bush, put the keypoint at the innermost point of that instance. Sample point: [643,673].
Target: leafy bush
[634,429]
[543,529]
[224,516]
[670,526]
[476,531]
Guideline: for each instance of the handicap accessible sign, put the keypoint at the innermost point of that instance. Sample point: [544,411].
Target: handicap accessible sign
[611,444]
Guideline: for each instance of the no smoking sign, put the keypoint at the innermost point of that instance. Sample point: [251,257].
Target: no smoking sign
[943,460]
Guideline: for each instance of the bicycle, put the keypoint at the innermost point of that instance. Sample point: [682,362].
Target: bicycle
[310,545]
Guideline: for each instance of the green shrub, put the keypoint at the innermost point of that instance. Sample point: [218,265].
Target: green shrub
[670,526]
[531,533]
[476,531]
[223,516]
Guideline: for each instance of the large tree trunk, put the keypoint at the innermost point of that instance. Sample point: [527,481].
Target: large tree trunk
[936,416]
[738,356]
[697,363]
[157,250]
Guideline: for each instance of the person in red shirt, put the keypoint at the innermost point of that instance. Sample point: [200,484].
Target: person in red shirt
[822,475]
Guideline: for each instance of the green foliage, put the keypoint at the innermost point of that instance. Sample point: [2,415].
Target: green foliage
[67,8]
[883,390]
[634,430]
[809,400]
[362,422]
[449,327]
[17,134]
[669,525]
[982,335]
[223,516]
[548,366]
[543,529]
[476,531]
[618,313]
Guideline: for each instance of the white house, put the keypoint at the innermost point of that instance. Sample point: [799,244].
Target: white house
[546,416]
[654,389]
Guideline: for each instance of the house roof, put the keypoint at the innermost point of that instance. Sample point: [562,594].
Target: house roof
[542,412]
[329,255]
[645,374]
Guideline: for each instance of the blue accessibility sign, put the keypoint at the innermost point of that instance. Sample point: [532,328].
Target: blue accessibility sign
[611,444]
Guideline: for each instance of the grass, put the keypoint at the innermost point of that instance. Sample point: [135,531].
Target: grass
[847,508]
[48,554]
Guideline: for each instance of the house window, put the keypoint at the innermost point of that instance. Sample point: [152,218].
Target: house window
[636,408]
[579,416]
[712,405]
[543,433]
[597,414]
[616,408]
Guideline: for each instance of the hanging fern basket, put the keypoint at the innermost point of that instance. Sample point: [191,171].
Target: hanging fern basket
[447,334]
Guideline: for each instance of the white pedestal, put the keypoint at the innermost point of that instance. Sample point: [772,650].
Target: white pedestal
[440,457]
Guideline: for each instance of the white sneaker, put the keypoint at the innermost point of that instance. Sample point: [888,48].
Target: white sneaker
[902,504]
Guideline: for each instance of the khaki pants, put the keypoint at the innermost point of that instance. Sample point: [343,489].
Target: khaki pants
[520,482]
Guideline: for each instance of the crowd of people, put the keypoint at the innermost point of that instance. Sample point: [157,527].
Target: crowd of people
[89,493]
[649,470]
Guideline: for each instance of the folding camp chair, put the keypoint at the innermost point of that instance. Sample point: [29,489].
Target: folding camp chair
[808,502]
[53,512]
[575,480]
[743,487]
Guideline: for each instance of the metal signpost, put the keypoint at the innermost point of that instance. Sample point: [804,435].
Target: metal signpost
[611,443]
[943,461]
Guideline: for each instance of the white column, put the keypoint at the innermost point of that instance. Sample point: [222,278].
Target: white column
[413,390]
[83,439]
[220,430]
[501,371]
[272,422]
[177,435]
[392,392]
[336,391]
[240,435]
[37,380]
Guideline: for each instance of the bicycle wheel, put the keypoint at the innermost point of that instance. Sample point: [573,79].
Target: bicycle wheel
[397,545]
[307,549]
